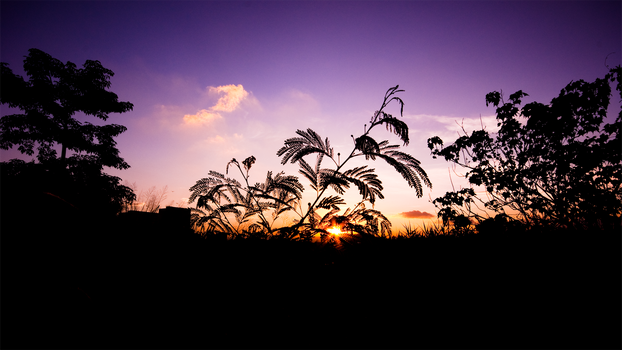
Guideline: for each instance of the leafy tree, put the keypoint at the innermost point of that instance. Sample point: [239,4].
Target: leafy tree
[557,164]
[362,220]
[49,101]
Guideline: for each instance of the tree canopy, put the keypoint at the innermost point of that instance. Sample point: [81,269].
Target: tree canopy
[556,164]
[49,101]
[50,98]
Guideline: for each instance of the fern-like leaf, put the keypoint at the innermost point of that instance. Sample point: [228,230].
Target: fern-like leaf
[396,126]
[309,173]
[367,181]
[297,147]
[334,179]
[367,145]
[330,202]
[406,165]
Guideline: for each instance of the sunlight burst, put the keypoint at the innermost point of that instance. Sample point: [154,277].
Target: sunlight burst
[335,230]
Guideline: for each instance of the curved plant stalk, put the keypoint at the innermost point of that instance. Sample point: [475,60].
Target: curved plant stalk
[370,187]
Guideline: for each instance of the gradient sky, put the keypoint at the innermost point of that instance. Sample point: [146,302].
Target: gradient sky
[211,81]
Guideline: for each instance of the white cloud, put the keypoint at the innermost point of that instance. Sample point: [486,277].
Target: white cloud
[201,117]
[230,101]
[489,123]
[233,96]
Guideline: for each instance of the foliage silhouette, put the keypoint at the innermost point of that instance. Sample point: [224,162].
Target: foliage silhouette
[361,219]
[49,100]
[556,164]
[218,195]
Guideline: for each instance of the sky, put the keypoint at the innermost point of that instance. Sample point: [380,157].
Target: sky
[211,81]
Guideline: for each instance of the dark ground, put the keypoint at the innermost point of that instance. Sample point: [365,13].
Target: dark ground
[97,278]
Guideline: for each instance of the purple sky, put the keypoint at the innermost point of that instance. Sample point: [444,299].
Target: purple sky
[211,81]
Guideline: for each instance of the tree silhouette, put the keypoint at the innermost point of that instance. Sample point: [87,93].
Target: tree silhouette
[50,99]
[365,179]
[556,164]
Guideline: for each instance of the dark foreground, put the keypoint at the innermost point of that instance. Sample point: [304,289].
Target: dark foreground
[114,287]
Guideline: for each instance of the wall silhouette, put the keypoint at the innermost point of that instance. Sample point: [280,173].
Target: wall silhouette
[169,219]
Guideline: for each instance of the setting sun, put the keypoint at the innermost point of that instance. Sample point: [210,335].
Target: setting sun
[335,230]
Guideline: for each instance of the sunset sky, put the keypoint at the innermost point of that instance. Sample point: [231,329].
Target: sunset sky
[211,81]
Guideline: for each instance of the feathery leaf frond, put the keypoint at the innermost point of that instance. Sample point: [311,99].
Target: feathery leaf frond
[334,179]
[406,165]
[297,147]
[367,181]
[396,126]
[367,145]
[227,205]
[331,202]
[309,173]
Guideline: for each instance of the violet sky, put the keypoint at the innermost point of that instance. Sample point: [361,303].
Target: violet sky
[211,81]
